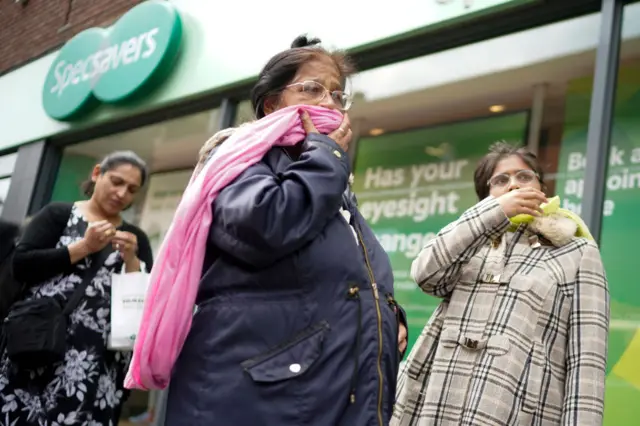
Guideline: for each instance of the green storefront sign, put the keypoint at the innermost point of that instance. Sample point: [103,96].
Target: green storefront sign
[620,229]
[112,65]
[411,184]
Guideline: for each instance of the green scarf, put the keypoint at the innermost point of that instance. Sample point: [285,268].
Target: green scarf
[553,207]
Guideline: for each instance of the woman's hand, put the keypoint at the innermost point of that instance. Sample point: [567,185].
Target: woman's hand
[402,338]
[342,135]
[522,201]
[98,235]
[127,244]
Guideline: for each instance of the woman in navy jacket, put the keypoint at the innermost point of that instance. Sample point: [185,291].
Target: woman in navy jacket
[296,322]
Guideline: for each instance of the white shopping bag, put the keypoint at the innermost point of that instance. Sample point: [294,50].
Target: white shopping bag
[128,291]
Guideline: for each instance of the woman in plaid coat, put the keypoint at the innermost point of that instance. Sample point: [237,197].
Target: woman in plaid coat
[520,337]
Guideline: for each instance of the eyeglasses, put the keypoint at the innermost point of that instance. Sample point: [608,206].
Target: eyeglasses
[521,176]
[316,92]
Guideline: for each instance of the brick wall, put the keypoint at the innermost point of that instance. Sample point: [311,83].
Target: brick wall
[31,29]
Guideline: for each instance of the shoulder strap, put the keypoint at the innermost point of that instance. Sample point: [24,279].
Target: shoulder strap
[97,260]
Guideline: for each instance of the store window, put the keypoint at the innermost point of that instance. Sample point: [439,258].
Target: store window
[168,146]
[7,164]
[244,113]
[421,109]
[620,227]
[424,123]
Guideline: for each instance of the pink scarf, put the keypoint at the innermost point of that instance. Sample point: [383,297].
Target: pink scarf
[170,300]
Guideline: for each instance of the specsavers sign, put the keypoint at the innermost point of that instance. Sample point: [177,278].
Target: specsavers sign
[111,65]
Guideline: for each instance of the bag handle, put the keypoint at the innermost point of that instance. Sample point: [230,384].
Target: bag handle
[143,268]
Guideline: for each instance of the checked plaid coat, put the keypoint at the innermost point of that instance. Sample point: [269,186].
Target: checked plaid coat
[520,337]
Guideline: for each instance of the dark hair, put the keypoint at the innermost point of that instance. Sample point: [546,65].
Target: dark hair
[498,152]
[283,67]
[113,160]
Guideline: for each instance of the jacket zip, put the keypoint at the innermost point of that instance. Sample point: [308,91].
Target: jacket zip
[376,296]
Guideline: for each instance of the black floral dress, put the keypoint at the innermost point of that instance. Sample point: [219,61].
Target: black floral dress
[87,388]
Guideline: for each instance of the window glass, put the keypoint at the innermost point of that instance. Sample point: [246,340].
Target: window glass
[424,123]
[244,113]
[7,163]
[566,147]
[166,146]
[4,190]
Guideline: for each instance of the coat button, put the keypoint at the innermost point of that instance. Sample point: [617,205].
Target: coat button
[470,343]
[295,368]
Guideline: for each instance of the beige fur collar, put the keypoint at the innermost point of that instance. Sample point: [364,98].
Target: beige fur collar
[559,230]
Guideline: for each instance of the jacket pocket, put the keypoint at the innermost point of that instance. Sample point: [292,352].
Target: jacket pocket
[395,310]
[290,359]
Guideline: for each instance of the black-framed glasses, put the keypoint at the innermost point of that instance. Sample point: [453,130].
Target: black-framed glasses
[316,93]
[522,177]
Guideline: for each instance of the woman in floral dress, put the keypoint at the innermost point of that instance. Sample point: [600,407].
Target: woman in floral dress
[87,387]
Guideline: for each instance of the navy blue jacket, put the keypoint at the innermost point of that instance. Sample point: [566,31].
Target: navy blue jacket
[289,329]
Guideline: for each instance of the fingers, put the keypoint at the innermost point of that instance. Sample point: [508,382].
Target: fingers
[528,201]
[343,129]
[124,241]
[343,134]
[346,122]
[104,230]
[402,338]
[530,207]
[125,237]
[307,124]
[402,335]
[122,247]
[343,138]
[532,193]
[402,344]
[101,226]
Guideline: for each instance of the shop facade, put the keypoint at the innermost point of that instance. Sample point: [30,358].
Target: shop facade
[437,86]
